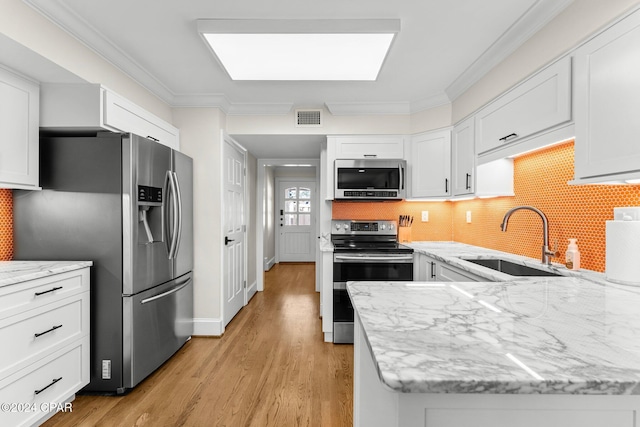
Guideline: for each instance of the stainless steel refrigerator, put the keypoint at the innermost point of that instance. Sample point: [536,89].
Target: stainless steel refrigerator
[125,203]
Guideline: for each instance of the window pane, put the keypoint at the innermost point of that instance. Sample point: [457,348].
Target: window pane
[305,193]
[304,206]
[291,206]
[304,219]
[290,193]
[290,219]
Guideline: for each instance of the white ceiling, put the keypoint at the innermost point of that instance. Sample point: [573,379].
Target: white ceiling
[443,47]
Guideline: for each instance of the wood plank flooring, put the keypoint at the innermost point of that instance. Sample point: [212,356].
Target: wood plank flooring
[271,368]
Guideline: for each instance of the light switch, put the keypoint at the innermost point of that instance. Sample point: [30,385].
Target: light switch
[468,217]
[425,216]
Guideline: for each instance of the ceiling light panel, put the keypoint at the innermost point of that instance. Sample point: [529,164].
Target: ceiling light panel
[300,50]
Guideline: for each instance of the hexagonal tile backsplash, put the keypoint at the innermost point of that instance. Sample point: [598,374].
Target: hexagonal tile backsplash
[540,180]
[6,225]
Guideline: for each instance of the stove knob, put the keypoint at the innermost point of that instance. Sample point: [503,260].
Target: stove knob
[383,227]
[337,226]
[391,226]
[346,226]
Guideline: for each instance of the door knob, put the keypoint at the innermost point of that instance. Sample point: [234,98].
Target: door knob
[227,240]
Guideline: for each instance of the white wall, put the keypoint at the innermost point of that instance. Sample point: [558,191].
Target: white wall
[23,24]
[200,138]
[269,220]
[576,23]
[252,211]
[285,125]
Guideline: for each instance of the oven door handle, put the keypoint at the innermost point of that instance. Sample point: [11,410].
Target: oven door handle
[373,258]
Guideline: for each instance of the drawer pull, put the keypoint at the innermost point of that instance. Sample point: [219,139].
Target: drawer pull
[52,383]
[50,290]
[47,331]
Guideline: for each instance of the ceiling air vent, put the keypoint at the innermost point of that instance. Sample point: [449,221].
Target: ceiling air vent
[308,118]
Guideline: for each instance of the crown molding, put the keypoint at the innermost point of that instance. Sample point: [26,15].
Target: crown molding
[431,102]
[58,13]
[268,109]
[536,17]
[368,108]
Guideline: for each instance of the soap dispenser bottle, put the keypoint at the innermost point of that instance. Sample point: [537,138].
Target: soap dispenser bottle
[572,257]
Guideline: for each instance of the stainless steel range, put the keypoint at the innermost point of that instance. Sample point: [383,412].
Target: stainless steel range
[364,251]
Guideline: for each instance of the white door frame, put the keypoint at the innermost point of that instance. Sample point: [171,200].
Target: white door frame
[262,163]
[227,139]
[314,205]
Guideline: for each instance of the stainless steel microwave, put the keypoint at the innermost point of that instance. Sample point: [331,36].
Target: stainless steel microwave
[370,179]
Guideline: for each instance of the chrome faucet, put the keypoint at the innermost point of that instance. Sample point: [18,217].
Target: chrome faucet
[546,252]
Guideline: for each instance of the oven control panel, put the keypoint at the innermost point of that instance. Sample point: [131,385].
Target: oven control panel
[343,226]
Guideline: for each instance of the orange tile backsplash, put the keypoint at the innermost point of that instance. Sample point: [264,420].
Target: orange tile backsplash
[438,227]
[540,180]
[6,225]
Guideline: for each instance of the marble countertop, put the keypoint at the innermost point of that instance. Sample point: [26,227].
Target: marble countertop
[538,335]
[12,272]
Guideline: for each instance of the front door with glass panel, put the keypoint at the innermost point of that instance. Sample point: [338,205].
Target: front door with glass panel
[296,221]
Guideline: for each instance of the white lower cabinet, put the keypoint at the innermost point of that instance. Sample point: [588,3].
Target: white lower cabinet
[606,104]
[46,321]
[428,269]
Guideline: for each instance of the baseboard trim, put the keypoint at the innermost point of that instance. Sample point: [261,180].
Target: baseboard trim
[269,263]
[252,290]
[206,327]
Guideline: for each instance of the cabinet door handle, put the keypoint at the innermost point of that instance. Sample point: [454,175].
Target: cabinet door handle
[504,138]
[370,156]
[446,185]
[52,383]
[433,270]
[468,181]
[50,290]
[39,334]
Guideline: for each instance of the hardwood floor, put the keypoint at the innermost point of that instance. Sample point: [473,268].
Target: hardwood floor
[271,368]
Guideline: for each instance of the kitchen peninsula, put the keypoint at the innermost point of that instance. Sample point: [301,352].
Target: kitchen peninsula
[553,351]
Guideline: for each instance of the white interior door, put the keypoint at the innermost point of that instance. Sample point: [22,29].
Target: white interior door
[234,225]
[296,221]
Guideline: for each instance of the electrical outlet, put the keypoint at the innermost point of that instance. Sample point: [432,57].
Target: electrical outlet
[468,217]
[425,216]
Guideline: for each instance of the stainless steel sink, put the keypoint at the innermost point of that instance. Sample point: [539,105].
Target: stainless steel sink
[511,268]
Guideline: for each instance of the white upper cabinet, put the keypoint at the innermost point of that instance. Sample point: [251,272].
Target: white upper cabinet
[19,113]
[539,103]
[464,163]
[429,164]
[369,147]
[607,104]
[93,107]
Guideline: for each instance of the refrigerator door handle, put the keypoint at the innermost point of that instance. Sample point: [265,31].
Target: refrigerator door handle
[174,200]
[167,293]
[179,211]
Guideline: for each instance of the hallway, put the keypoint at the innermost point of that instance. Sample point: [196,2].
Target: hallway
[271,368]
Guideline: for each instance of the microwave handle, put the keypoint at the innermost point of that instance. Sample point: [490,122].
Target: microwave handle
[401,176]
